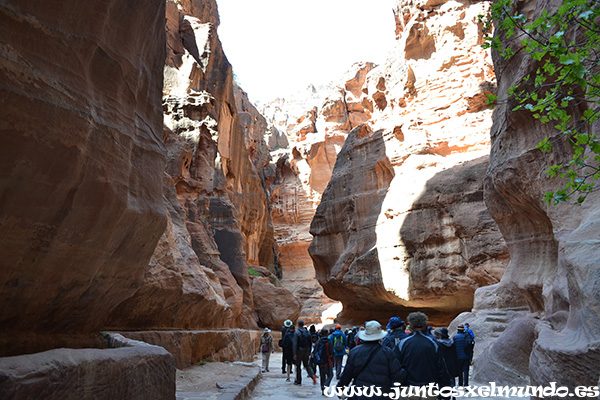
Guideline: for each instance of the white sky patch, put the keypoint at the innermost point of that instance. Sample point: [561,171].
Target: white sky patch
[278,47]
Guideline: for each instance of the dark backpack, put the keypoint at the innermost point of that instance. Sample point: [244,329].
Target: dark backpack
[351,339]
[304,340]
[321,353]
[469,343]
[338,343]
[288,340]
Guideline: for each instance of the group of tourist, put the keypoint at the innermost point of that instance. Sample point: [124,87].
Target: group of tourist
[413,354]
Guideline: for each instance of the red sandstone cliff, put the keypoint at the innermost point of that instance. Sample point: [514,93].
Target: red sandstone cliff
[552,277]
[219,222]
[82,163]
[402,222]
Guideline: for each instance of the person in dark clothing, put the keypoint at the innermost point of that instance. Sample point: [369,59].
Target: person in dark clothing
[464,359]
[448,352]
[325,359]
[419,355]
[288,349]
[371,363]
[352,337]
[314,337]
[302,349]
[284,329]
[396,335]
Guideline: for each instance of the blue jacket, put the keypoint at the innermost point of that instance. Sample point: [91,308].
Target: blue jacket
[332,337]
[420,357]
[459,341]
[393,338]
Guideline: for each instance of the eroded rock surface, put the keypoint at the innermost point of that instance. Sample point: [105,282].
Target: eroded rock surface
[553,249]
[402,223]
[82,161]
[215,194]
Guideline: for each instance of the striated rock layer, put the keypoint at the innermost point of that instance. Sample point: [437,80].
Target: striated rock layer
[553,269]
[402,223]
[215,194]
[82,162]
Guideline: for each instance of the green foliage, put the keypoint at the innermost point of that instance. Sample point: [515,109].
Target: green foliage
[253,272]
[566,44]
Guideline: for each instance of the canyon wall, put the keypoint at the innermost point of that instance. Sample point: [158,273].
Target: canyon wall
[316,123]
[219,224]
[82,162]
[402,224]
[114,217]
[553,275]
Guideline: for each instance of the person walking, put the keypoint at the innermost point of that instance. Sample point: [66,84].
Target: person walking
[419,355]
[323,356]
[371,363]
[397,333]
[288,349]
[286,324]
[464,354]
[339,344]
[302,348]
[448,352]
[266,348]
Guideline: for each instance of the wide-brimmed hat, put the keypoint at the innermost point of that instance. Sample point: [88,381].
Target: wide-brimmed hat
[443,332]
[372,332]
[461,327]
[287,323]
[267,330]
[394,323]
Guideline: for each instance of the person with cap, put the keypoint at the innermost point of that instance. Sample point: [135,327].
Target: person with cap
[448,352]
[371,363]
[463,355]
[468,330]
[288,349]
[302,349]
[339,344]
[419,355]
[397,327]
[286,324]
[266,348]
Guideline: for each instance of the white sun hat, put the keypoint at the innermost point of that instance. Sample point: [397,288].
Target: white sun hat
[372,332]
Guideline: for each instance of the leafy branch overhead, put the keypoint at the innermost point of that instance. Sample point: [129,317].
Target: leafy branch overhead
[565,88]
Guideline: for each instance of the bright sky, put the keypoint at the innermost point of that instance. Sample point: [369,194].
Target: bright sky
[277,47]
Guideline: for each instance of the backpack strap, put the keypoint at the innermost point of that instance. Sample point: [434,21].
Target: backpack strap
[371,355]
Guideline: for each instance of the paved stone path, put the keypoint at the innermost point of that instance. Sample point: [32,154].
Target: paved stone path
[272,385]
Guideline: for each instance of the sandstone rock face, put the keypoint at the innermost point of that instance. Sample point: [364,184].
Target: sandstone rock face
[553,250]
[215,193]
[91,373]
[82,160]
[402,223]
[316,123]
[191,347]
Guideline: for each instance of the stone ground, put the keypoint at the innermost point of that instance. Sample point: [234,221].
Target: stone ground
[218,381]
[239,381]
[272,385]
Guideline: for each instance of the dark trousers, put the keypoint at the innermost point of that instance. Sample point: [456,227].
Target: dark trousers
[463,377]
[302,358]
[326,372]
[337,361]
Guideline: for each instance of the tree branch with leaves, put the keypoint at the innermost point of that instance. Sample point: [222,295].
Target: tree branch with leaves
[565,88]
